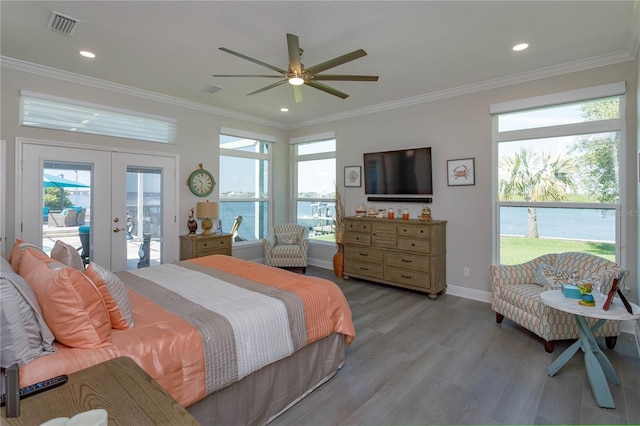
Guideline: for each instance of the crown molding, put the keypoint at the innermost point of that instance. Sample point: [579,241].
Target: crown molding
[569,67]
[18,65]
[552,71]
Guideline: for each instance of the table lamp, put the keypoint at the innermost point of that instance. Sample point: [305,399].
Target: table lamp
[206,211]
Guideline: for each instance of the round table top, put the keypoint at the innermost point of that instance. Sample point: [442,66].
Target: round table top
[617,311]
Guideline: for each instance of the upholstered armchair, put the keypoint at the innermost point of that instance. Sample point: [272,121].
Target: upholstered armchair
[516,294]
[286,246]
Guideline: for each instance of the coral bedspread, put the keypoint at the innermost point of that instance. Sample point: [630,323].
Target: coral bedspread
[203,324]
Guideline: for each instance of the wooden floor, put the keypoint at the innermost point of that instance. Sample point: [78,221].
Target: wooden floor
[417,361]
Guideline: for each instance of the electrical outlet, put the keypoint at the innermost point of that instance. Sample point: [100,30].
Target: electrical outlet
[465,271]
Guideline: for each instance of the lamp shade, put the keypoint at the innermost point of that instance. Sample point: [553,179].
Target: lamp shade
[207,210]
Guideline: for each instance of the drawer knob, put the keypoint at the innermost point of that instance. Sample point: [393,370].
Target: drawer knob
[406,276]
[407,260]
[364,254]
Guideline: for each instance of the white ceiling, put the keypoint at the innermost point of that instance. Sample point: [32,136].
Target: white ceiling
[420,49]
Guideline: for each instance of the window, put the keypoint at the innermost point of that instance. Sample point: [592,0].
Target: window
[50,112]
[245,197]
[558,175]
[315,184]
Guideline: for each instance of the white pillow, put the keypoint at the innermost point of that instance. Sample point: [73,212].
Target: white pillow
[68,255]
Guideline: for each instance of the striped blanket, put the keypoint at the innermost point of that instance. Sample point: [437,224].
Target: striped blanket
[248,315]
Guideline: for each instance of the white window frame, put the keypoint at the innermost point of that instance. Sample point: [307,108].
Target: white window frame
[227,131]
[295,159]
[580,95]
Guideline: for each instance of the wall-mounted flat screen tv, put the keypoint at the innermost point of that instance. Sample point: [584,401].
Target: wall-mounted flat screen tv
[406,171]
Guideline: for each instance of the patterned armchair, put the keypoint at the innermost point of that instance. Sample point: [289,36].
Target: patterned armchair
[286,245]
[517,297]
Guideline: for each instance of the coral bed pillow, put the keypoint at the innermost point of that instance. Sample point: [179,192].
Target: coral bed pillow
[71,304]
[114,294]
[18,251]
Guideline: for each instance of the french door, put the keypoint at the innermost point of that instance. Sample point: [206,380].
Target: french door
[117,208]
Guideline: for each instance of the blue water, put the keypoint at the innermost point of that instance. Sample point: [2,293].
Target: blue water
[575,224]
[247,230]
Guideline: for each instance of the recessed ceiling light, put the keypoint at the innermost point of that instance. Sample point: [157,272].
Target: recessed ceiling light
[284,109]
[87,54]
[519,47]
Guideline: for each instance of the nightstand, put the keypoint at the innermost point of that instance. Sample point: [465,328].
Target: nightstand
[204,245]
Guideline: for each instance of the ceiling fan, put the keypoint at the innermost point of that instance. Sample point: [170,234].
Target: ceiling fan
[297,75]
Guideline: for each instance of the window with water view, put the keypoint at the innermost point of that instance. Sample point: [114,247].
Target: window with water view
[244,187]
[558,182]
[315,168]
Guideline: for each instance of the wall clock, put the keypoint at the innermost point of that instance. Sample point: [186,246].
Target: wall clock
[201,182]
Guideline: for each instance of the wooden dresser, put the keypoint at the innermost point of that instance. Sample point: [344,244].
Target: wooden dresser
[403,253]
[204,245]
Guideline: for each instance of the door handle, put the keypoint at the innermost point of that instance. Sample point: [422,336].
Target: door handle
[117,229]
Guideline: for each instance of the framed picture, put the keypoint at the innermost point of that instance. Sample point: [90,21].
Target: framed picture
[352,176]
[461,172]
[612,292]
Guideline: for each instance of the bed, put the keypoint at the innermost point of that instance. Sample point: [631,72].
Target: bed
[236,342]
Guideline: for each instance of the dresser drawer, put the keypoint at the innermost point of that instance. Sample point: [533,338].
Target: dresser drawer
[414,231]
[215,250]
[373,270]
[408,261]
[358,254]
[405,276]
[358,238]
[357,226]
[414,244]
[212,244]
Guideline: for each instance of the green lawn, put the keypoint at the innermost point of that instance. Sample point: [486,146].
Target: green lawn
[514,250]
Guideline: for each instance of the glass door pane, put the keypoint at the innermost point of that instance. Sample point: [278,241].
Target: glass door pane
[66,209]
[143,216]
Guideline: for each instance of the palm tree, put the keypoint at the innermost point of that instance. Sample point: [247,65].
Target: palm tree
[536,177]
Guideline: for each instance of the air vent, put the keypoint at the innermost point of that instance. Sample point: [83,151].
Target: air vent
[62,24]
[212,89]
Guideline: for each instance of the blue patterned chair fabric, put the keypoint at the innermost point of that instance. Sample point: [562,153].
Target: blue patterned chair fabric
[517,297]
[286,245]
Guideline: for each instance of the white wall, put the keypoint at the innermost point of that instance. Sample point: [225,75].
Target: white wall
[458,127]
[197,136]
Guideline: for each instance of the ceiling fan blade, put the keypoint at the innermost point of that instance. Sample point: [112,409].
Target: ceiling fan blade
[339,77]
[271,86]
[255,61]
[327,89]
[235,75]
[297,93]
[336,61]
[293,46]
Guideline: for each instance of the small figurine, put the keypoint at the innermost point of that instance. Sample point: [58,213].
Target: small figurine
[426,214]
[192,224]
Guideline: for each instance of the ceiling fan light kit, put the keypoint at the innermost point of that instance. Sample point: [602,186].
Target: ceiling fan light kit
[298,76]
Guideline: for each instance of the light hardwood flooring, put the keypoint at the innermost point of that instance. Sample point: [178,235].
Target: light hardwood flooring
[416,361]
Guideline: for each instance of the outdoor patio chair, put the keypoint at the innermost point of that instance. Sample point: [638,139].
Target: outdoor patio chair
[66,217]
